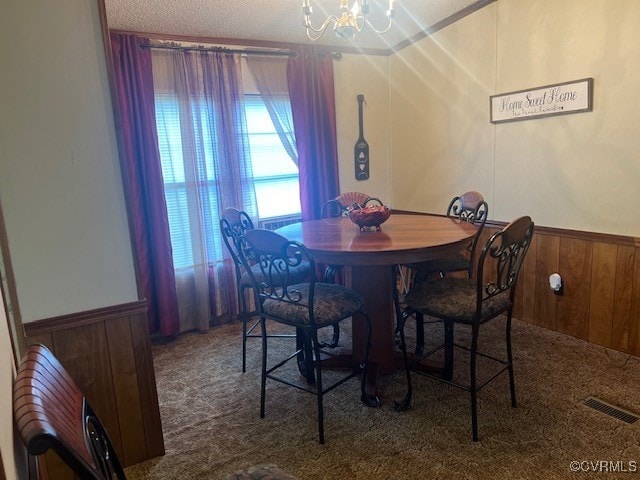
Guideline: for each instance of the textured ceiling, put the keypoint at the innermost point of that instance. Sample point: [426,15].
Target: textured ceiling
[272,20]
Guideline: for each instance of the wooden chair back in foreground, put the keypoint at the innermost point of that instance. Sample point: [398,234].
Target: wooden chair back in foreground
[309,306]
[52,413]
[473,302]
[339,206]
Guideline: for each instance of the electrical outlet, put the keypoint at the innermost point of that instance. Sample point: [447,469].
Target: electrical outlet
[556,284]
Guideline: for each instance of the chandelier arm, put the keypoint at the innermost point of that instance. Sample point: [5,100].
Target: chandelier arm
[314,38]
[385,30]
[323,27]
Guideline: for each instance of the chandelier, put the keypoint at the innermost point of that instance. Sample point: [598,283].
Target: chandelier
[348,23]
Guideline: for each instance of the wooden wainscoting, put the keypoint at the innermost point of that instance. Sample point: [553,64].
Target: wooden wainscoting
[601,283]
[601,276]
[108,353]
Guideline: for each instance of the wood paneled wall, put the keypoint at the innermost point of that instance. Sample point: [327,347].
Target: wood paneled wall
[601,286]
[108,353]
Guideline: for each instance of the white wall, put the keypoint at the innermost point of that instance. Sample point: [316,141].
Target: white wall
[442,141]
[60,183]
[11,451]
[367,75]
[578,171]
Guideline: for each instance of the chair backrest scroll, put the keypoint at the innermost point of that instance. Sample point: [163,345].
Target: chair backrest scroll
[502,257]
[470,207]
[280,264]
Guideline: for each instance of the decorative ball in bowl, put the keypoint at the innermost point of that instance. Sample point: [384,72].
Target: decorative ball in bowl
[372,216]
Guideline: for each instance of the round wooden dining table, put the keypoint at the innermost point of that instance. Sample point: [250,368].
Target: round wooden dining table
[372,256]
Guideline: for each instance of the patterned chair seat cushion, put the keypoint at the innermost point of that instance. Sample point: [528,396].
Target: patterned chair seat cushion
[454,299]
[299,273]
[332,303]
[452,263]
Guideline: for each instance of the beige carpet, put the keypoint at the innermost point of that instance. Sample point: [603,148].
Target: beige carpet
[210,413]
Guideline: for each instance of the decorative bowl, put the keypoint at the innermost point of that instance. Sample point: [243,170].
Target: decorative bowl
[372,216]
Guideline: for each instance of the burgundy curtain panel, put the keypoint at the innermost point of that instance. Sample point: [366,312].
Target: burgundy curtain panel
[311,90]
[152,243]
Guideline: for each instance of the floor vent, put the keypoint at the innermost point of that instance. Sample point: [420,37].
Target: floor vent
[611,410]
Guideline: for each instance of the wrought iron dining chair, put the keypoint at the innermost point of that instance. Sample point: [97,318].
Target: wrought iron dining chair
[472,302]
[234,224]
[51,413]
[309,307]
[469,207]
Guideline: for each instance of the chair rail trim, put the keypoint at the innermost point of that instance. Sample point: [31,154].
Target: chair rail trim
[63,322]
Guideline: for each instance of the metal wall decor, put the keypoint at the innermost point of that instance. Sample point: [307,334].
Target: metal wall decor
[361,148]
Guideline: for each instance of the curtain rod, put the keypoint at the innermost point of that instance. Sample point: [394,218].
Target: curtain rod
[277,53]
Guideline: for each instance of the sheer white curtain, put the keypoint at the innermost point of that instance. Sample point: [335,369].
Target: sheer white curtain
[206,165]
[270,74]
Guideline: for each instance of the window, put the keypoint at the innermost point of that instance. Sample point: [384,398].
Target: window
[275,174]
[173,174]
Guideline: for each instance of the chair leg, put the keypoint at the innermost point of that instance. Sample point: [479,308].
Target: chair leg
[336,336]
[305,356]
[329,277]
[369,400]
[263,382]
[394,289]
[474,391]
[405,403]
[512,383]
[447,373]
[318,381]
[402,315]
[302,364]
[244,343]
[334,340]
[242,305]
[419,333]
[308,347]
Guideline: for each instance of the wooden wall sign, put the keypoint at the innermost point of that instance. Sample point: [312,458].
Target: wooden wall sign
[558,99]
[361,148]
